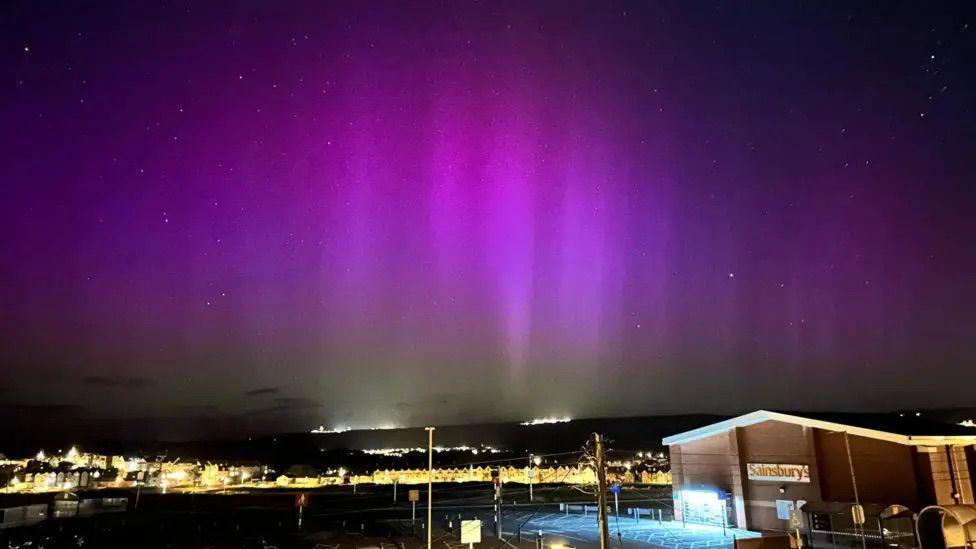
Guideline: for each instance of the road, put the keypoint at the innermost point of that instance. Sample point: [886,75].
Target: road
[560,528]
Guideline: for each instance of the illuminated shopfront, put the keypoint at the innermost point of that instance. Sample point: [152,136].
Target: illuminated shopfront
[703,506]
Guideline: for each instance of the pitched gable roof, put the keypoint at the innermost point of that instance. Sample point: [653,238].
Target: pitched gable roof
[903,430]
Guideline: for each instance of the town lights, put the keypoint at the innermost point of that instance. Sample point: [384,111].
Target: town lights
[546,421]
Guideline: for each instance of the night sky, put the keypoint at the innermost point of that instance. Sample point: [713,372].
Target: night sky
[224,217]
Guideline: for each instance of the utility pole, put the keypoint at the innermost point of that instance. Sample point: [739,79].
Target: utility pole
[857,500]
[430,484]
[601,496]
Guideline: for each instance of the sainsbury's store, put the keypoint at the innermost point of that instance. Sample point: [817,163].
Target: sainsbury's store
[751,471]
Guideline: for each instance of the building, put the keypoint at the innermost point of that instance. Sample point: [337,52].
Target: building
[751,470]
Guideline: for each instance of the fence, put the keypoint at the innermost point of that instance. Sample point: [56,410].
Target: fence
[25,515]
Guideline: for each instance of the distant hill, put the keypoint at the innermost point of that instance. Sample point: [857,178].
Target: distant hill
[633,433]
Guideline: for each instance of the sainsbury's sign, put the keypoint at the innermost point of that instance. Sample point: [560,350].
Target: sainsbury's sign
[778,472]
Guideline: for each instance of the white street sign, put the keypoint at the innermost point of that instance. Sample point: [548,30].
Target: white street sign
[471,531]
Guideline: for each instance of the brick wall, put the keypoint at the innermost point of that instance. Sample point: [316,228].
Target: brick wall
[885,471]
[776,442]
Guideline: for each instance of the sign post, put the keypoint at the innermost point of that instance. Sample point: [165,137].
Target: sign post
[301,502]
[796,522]
[616,499]
[615,488]
[413,496]
[471,532]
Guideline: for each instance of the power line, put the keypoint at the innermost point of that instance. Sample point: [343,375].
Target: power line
[539,507]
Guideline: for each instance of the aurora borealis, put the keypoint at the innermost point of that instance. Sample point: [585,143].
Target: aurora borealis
[257,216]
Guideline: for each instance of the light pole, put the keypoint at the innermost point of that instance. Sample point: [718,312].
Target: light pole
[531,475]
[430,483]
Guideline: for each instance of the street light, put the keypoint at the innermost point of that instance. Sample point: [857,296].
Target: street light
[532,460]
[430,483]
[536,460]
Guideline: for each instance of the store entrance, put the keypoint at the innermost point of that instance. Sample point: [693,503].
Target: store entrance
[705,507]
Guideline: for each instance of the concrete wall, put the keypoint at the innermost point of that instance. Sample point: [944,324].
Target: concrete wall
[945,471]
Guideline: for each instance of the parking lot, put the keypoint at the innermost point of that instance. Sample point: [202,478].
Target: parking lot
[577,530]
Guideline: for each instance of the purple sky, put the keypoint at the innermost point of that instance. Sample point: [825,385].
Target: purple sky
[253,216]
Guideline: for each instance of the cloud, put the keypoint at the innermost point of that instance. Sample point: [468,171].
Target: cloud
[117,382]
[263,391]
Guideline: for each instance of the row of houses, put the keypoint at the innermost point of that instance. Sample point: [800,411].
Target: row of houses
[519,475]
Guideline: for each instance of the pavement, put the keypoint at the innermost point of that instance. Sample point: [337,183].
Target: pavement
[559,528]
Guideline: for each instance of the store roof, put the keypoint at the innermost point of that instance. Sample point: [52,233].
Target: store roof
[905,429]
